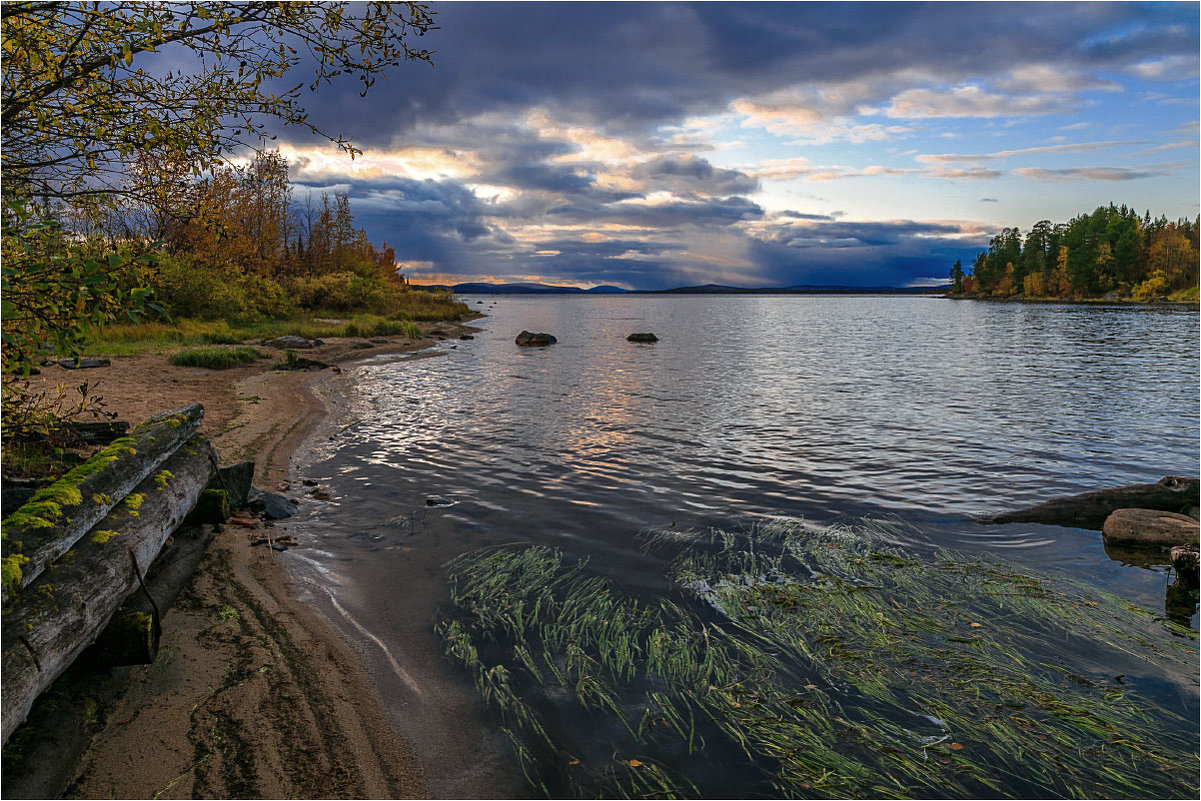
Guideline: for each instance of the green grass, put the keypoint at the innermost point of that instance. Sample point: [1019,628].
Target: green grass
[216,358]
[834,664]
[131,340]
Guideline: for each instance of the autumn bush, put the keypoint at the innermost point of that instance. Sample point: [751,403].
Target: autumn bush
[342,291]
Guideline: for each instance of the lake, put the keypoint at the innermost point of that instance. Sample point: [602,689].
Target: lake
[920,411]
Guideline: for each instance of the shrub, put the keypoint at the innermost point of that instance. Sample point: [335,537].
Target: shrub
[370,326]
[190,289]
[430,305]
[1155,286]
[341,291]
[216,358]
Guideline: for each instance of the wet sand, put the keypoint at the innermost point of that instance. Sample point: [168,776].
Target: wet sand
[254,693]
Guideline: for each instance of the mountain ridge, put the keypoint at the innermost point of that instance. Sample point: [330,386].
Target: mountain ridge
[481,288]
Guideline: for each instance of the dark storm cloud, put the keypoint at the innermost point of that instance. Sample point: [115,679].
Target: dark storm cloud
[631,65]
[424,220]
[863,254]
[692,175]
[718,211]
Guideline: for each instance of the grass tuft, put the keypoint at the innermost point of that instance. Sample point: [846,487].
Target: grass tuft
[216,358]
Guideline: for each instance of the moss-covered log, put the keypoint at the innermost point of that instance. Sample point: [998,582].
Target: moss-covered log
[66,608]
[1089,509]
[56,517]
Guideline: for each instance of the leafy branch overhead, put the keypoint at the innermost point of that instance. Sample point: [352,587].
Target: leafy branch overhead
[195,80]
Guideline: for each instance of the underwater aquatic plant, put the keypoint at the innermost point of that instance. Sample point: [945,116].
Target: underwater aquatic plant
[821,663]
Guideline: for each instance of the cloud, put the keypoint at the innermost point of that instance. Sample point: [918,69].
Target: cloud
[690,174]
[880,253]
[955,173]
[838,173]
[1079,147]
[970,100]
[1086,173]
[581,144]
[1170,68]
[1054,78]
[782,169]
[989,200]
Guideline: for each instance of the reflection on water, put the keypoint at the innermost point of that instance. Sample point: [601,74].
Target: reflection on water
[813,407]
[817,407]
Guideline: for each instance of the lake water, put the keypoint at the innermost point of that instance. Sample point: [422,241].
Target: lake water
[919,409]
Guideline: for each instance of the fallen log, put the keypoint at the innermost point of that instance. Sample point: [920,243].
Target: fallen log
[70,603]
[1089,509]
[57,516]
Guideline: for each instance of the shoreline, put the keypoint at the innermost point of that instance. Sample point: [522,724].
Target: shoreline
[255,692]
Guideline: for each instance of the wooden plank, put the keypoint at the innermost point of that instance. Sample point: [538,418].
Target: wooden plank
[67,607]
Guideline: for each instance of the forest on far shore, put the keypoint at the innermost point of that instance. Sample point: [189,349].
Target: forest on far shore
[1112,253]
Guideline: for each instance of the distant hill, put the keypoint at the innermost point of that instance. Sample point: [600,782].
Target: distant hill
[718,289]
[479,288]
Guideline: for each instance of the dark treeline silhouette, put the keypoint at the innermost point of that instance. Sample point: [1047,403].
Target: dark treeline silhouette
[1112,252]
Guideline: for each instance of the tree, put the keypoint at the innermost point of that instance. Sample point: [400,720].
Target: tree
[957,278]
[92,117]
[67,62]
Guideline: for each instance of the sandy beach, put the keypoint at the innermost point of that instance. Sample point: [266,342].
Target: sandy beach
[254,693]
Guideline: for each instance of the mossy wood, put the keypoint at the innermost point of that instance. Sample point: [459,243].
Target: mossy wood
[1089,509]
[56,517]
[66,608]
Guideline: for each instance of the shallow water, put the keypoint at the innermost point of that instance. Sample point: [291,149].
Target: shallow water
[825,408]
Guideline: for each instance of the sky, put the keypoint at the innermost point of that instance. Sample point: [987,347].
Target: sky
[651,146]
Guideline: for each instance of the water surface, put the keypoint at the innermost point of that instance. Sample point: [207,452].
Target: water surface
[825,408]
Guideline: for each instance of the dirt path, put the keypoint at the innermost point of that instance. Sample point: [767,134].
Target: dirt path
[253,695]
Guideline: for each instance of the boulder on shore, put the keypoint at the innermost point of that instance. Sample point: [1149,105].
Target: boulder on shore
[530,339]
[289,341]
[647,337]
[270,505]
[1150,527]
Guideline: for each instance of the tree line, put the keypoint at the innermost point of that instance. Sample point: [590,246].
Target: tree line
[1112,252]
[120,196]
[247,248]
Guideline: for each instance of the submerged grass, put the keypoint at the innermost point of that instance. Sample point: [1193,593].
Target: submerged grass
[825,663]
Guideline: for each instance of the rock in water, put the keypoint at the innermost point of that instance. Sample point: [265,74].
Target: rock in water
[1090,509]
[290,341]
[1185,559]
[529,339]
[647,337]
[1149,527]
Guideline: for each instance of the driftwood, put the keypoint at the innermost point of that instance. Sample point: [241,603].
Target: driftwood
[59,515]
[1089,509]
[57,616]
